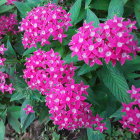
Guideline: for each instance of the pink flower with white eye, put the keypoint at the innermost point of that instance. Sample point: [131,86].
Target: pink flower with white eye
[101,127]
[28,109]
[2,61]
[9,88]
[7,24]
[131,119]
[4,87]
[111,41]
[44,22]
[2,49]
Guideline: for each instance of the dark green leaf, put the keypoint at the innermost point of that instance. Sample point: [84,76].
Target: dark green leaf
[137,10]
[68,59]
[2,130]
[17,96]
[29,51]
[29,119]
[13,116]
[91,17]
[86,68]
[10,51]
[94,135]
[26,120]
[116,7]
[55,1]
[33,3]
[118,114]
[87,3]
[5,8]
[22,7]
[75,10]
[115,82]
[100,4]
[2,2]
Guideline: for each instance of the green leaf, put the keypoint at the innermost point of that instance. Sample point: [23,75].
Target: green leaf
[29,51]
[13,116]
[115,82]
[100,4]
[118,114]
[75,10]
[10,51]
[116,7]
[2,2]
[2,130]
[68,59]
[33,3]
[137,10]
[55,136]
[22,7]
[5,8]
[94,135]
[29,119]
[17,96]
[25,119]
[86,68]
[92,17]
[55,1]
[87,3]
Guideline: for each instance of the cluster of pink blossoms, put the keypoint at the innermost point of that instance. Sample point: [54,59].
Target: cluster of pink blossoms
[111,41]
[7,24]
[28,109]
[131,119]
[3,76]
[46,72]
[69,109]
[44,22]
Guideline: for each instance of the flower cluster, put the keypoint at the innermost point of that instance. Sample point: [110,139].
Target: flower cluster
[69,109]
[28,109]
[44,22]
[111,41]
[7,24]
[131,119]
[3,76]
[46,72]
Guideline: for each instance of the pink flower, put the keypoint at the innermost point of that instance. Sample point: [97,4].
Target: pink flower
[111,41]
[45,70]
[44,22]
[101,127]
[28,109]
[131,119]
[4,87]
[7,24]
[2,49]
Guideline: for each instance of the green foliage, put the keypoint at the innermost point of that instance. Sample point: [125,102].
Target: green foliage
[94,135]
[75,10]
[115,82]
[116,7]
[2,130]
[92,17]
